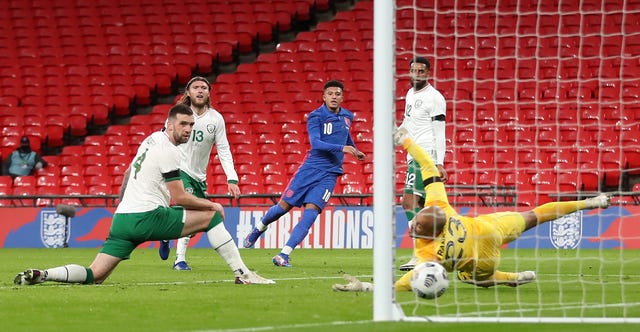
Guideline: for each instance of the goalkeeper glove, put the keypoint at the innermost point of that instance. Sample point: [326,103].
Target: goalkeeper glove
[399,135]
[354,285]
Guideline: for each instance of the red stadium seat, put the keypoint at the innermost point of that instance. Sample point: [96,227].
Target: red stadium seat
[91,149]
[613,161]
[279,180]
[74,190]
[24,191]
[98,190]
[96,170]
[46,201]
[6,181]
[98,180]
[356,189]
[568,182]
[24,181]
[351,178]
[47,181]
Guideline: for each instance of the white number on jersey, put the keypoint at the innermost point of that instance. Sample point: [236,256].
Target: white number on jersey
[198,136]
[410,180]
[327,128]
[326,195]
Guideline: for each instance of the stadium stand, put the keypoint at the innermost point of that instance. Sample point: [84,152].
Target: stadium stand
[96,75]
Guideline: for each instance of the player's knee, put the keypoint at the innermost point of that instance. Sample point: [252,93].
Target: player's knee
[214,220]
[285,206]
[311,206]
[406,205]
[411,202]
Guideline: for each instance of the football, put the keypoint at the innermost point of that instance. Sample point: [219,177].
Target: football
[429,280]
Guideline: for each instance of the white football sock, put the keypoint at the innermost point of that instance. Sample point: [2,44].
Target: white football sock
[286,250]
[222,242]
[181,248]
[261,227]
[71,273]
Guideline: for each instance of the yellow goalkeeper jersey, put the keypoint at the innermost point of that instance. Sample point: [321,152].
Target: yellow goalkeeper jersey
[467,245]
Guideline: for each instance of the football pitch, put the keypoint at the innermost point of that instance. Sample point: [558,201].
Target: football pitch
[145,294]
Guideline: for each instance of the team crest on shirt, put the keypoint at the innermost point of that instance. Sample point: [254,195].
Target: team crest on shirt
[211,128]
[418,103]
[52,229]
[566,232]
[347,121]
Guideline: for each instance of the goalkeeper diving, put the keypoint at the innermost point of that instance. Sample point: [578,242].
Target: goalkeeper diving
[469,246]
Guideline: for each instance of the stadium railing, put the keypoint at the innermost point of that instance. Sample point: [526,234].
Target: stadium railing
[459,195]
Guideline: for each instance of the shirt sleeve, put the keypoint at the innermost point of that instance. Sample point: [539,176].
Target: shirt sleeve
[440,141]
[439,131]
[170,161]
[224,151]
[39,159]
[350,140]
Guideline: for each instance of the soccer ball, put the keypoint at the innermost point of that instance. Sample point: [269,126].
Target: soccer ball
[429,280]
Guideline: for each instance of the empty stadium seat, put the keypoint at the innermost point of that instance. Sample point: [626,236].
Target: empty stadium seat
[612,161]
[47,201]
[114,42]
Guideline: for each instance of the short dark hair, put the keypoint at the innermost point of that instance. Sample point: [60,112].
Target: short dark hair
[333,84]
[422,60]
[179,109]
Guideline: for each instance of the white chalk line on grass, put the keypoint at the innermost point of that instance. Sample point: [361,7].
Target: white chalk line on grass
[108,284]
[566,306]
[467,316]
[327,324]
[167,283]
[289,327]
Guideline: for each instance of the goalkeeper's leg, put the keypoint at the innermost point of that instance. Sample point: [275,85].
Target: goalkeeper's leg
[555,210]
[511,279]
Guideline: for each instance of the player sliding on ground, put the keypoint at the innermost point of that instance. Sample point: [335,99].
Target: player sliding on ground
[470,246]
[150,183]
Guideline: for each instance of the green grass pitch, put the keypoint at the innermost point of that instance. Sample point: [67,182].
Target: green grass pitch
[145,294]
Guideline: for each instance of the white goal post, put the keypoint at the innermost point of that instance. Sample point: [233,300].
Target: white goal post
[385,307]
[594,281]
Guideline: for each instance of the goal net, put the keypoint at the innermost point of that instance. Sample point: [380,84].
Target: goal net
[542,105]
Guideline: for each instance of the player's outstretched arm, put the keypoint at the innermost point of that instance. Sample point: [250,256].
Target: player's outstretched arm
[428,168]
[123,186]
[180,197]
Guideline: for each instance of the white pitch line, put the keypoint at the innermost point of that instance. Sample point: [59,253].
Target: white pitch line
[287,327]
[563,307]
[167,283]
